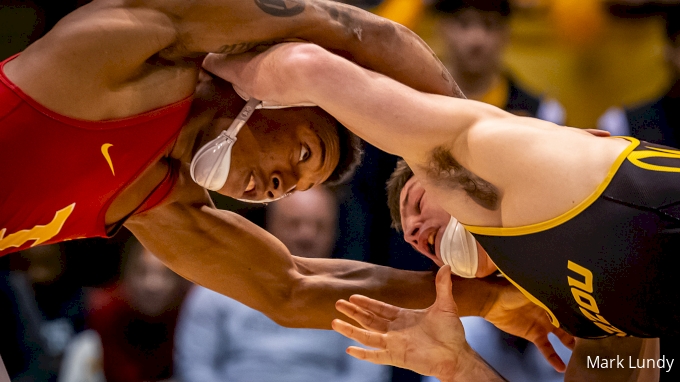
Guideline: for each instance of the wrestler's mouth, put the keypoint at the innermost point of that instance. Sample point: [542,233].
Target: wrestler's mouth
[430,243]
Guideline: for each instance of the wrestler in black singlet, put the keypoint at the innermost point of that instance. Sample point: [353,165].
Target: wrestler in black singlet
[607,266]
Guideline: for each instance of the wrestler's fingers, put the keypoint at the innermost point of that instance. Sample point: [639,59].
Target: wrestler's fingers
[362,336]
[381,309]
[380,357]
[365,318]
[548,351]
[565,338]
[599,133]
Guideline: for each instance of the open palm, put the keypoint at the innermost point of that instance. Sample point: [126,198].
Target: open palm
[427,341]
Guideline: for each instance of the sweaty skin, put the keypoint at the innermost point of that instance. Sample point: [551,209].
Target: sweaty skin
[471,157]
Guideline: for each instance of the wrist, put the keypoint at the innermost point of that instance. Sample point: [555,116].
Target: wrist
[456,368]
[469,366]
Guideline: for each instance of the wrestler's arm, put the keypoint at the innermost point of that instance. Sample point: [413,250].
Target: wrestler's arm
[589,355]
[226,253]
[377,108]
[234,26]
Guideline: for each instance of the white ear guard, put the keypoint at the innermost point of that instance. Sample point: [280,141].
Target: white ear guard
[459,250]
[210,166]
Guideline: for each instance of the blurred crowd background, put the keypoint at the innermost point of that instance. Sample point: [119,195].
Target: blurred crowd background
[108,310]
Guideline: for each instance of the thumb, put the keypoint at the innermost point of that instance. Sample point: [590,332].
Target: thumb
[444,285]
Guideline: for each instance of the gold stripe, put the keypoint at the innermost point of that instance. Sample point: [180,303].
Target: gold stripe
[551,316]
[554,222]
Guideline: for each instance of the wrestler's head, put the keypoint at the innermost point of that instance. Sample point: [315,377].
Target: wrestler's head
[282,150]
[422,220]
[475,33]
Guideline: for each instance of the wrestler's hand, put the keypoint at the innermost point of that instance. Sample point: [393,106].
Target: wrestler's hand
[269,76]
[509,310]
[428,341]
[599,133]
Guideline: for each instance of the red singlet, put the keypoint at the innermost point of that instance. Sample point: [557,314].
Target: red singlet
[59,175]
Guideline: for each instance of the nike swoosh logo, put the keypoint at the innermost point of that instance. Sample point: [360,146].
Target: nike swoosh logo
[105,152]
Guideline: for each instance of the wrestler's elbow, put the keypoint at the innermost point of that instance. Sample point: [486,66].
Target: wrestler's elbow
[302,63]
[290,304]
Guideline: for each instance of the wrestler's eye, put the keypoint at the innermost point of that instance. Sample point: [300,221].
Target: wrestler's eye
[304,153]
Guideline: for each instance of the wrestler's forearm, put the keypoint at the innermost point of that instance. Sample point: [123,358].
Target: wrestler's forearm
[390,49]
[408,289]
[226,253]
[240,260]
[230,27]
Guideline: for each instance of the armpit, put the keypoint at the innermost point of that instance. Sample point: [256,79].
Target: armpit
[443,169]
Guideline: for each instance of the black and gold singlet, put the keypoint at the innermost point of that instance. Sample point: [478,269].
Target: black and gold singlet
[606,267]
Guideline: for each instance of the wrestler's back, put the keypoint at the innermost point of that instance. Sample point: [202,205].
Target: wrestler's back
[102,62]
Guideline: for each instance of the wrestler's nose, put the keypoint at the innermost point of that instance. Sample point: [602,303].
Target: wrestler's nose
[277,186]
[411,229]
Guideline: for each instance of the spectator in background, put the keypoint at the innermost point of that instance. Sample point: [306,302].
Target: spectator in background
[219,339]
[136,319]
[476,33]
[44,307]
[657,121]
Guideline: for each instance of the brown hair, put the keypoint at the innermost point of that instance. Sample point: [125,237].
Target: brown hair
[401,174]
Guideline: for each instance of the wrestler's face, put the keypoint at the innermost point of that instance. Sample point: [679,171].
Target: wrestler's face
[475,40]
[280,151]
[424,222]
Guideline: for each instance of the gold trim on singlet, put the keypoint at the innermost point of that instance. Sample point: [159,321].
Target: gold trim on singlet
[551,315]
[554,222]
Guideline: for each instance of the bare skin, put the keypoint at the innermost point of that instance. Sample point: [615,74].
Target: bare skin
[115,58]
[462,132]
[385,113]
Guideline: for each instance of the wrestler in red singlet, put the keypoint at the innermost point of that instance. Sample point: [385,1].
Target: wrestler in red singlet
[61,173]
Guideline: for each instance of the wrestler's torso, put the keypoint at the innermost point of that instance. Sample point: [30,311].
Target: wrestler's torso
[604,267]
[60,175]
